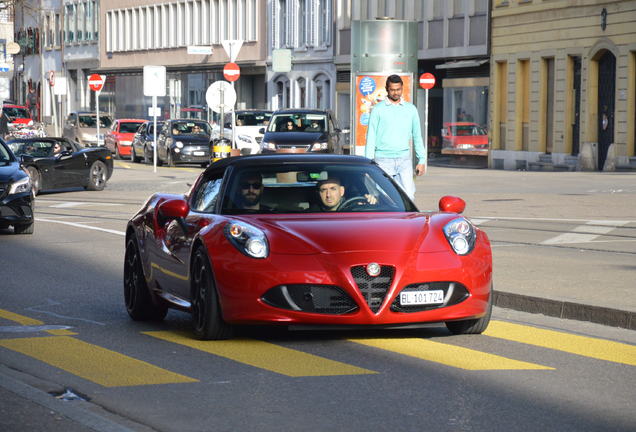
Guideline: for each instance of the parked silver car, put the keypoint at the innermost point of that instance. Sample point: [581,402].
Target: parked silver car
[81,127]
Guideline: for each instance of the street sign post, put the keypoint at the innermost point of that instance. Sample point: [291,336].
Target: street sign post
[96,83]
[221,97]
[154,85]
[427,81]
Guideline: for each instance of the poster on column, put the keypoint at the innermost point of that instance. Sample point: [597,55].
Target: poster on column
[370,90]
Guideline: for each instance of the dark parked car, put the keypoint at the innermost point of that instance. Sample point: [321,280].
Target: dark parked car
[16,197]
[141,148]
[183,141]
[302,131]
[54,163]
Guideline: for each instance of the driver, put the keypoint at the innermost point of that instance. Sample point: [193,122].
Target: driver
[332,192]
[57,149]
[250,191]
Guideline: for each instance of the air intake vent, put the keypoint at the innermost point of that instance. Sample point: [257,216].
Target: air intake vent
[373,289]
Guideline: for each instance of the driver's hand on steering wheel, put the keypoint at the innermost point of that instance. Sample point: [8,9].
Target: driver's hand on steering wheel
[371,199]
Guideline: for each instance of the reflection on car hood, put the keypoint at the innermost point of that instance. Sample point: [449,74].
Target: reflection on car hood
[295,137]
[349,232]
[9,171]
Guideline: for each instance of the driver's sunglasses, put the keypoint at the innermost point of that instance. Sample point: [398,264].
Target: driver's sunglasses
[252,185]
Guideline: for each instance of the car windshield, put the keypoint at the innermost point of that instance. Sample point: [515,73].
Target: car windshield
[88,121]
[298,122]
[5,156]
[467,130]
[34,148]
[129,127]
[190,128]
[297,188]
[16,112]
[253,118]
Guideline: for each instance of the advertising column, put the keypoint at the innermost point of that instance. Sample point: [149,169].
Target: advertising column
[380,48]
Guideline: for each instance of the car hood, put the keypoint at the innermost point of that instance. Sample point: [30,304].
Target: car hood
[340,233]
[192,139]
[248,130]
[295,137]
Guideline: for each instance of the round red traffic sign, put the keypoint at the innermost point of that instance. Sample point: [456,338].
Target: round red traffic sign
[231,72]
[427,80]
[95,82]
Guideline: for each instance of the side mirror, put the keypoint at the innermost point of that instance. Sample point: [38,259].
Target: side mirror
[452,204]
[174,209]
[261,131]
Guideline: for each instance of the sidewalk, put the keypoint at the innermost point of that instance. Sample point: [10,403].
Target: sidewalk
[573,292]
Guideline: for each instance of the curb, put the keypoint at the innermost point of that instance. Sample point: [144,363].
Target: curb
[565,310]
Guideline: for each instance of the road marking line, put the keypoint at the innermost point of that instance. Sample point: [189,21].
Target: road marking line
[93,363]
[265,355]
[586,233]
[82,226]
[574,344]
[70,204]
[477,221]
[449,355]
[26,321]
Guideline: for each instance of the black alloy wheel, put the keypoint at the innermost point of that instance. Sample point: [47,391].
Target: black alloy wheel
[207,321]
[97,176]
[24,228]
[35,180]
[133,156]
[136,295]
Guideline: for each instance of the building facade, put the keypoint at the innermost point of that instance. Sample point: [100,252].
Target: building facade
[564,84]
[166,33]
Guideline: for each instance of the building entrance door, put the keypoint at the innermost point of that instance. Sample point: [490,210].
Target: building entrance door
[606,90]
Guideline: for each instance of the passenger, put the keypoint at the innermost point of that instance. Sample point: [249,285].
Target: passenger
[251,191]
[313,127]
[290,127]
[175,131]
[332,192]
[197,130]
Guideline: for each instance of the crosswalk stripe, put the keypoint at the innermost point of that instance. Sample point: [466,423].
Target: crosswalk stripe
[586,233]
[26,321]
[265,355]
[91,362]
[449,355]
[574,344]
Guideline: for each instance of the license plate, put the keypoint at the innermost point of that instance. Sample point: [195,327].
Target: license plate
[414,298]
[198,153]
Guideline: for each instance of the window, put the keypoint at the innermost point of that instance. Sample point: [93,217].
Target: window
[324,23]
[207,194]
[302,24]
[302,92]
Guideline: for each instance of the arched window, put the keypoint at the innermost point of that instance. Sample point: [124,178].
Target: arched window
[282,93]
[322,91]
[302,93]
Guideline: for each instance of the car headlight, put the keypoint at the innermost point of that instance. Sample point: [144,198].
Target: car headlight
[269,145]
[179,144]
[126,143]
[248,239]
[319,146]
[20,186]
[245,138]
[30,123]
[461,235]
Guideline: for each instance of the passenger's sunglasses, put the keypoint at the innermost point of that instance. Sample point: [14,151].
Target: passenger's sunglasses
[252,185]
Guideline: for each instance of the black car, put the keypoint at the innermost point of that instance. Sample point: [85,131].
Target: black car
[141,147]
[183,141]
[302,131]
[16,197]
[55,163]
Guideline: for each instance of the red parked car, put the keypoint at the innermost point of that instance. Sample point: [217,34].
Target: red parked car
[120,135]
[18,115]
[464,136]
[252,243]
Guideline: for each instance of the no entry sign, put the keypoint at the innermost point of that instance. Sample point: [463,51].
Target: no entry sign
[231,72]
[96,82]
[427,81]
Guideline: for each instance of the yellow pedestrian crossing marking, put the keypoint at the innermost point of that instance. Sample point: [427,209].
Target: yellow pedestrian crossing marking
[449,355]
[574,344]
[265,355]
[93,363]
[26,321]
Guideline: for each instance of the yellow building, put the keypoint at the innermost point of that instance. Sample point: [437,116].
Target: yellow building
[563,91]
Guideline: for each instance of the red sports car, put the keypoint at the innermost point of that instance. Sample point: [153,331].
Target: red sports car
[464,136]
[305,240]
[120,136]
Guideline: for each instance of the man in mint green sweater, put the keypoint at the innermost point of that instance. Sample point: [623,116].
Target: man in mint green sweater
[392,125]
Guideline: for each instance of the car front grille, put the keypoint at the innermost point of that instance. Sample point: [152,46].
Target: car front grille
[322,299]
[373,288]
[293,146]
[4,190]
[453,293]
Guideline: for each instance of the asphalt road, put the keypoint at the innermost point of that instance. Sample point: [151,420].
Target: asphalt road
[63,326]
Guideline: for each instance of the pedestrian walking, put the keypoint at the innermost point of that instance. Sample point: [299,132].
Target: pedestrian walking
[392,125]
[4,122]
[32,103]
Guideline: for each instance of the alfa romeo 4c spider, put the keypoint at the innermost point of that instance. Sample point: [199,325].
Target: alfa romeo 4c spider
[305,240]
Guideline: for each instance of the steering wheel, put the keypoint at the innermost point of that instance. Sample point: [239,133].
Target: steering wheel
[353,202]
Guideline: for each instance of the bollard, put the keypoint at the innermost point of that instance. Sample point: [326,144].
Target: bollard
[221,148]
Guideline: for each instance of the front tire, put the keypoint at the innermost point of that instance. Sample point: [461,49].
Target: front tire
[474,326]
[207,320]
[36,181]
[97,176]
[133,155]
[24,228]
[136,295]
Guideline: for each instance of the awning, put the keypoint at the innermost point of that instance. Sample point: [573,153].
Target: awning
[462,64]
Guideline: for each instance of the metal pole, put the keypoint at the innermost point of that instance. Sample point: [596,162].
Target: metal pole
[233,123]
[426,131]
[97,114]
[154,132]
